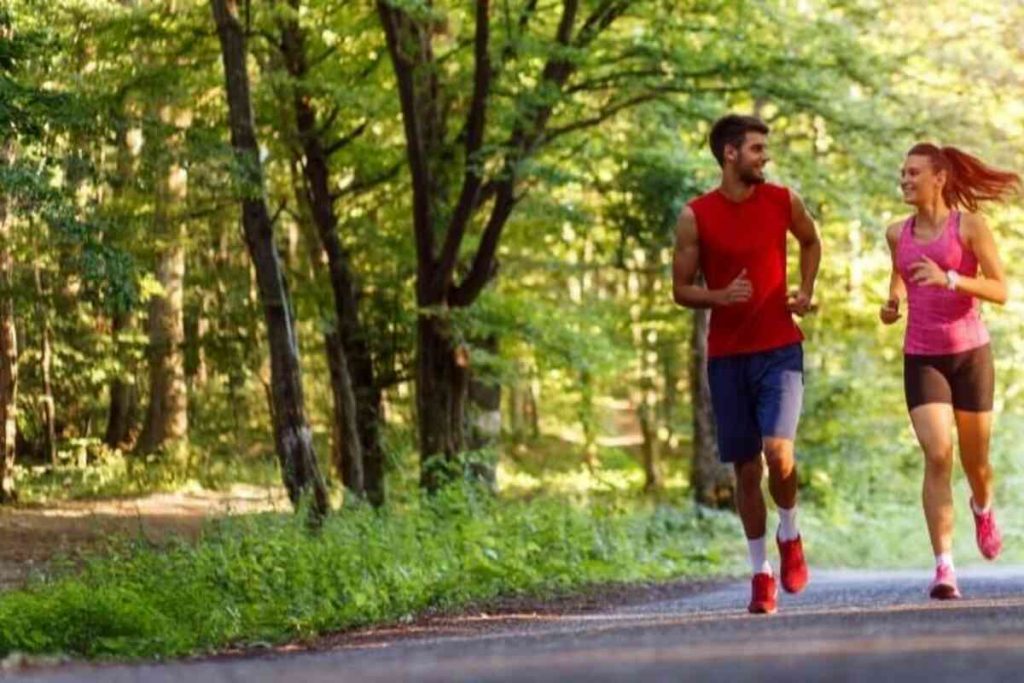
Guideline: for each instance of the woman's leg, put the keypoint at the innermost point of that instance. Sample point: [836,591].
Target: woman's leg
[932,425]
[973,388]
[974,431]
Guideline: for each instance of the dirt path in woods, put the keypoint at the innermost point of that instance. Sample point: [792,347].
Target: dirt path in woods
[31,537]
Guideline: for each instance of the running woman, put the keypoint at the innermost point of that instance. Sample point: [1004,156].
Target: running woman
[944,263]
[735,235]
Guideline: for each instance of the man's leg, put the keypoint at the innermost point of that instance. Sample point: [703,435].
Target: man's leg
[780,390]
[750,505]
[778,452]
[782,484]
[749,499]
[739,443]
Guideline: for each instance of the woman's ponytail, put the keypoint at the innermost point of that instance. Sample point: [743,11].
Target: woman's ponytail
[969,179]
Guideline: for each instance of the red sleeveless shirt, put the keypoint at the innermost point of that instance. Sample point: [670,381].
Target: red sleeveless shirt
[750,234]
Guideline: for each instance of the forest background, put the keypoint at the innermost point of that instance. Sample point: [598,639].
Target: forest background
[404,266]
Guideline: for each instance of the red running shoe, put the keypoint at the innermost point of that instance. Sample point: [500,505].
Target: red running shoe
[944,585]
[763,594]
[794,566]
[990,541]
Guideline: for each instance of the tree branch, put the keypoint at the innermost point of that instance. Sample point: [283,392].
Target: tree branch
[322,57]
[280,210]
[525,14]
[483,267]
[397,27]
[525,134]
[607,12]
[612,80]
[556,72]
[369,184]
[600,117]
[486,193]
[328,121]
[475,123]
[346,140]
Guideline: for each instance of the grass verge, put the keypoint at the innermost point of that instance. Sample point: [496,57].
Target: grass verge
[268,580]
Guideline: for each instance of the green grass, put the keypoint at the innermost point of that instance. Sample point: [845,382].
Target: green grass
[267,579]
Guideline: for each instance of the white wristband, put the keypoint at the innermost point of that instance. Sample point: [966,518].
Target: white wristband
[952,277]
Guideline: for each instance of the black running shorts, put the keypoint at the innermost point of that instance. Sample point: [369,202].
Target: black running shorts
[966,380]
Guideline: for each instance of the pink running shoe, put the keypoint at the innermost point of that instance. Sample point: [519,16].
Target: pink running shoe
[990,541]
[944,585]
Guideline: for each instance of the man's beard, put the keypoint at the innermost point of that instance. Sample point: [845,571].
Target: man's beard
[750,177]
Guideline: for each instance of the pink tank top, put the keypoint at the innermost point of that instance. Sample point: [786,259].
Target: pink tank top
[940,321]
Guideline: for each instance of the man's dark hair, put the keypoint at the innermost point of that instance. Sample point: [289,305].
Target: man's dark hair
[731,130]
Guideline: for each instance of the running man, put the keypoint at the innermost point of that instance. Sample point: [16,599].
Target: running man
[735,235]
[948,375]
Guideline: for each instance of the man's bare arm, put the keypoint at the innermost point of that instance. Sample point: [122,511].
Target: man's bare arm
[686,263]
[806,233]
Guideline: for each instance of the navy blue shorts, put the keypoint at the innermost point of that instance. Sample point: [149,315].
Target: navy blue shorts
[756,395]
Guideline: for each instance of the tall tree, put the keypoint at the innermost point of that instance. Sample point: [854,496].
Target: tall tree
[166,421]
[8,331]
[292,436]
[357,395]
[122,392]
[453,179]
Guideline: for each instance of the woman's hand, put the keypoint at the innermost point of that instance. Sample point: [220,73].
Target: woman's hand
[927,273]
[890,312]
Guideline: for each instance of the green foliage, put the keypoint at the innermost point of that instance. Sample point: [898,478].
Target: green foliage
[267,579]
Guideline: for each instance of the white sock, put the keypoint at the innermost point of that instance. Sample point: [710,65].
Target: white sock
[787,524]
[944,559]
[978,510]
[758,554]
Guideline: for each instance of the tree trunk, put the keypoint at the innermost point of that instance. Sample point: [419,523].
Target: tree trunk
[713,483]
[166,421]
[441,387]
[369,419]
[292,435]
[648,413]
[586,413]
[354,381]
[517,411]
[198,368]
[8,345]
[123,396]
[671,368]
[346,451]
[122,392]
[46,368]
[483,428]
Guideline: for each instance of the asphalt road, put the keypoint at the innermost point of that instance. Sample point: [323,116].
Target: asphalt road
[847,626]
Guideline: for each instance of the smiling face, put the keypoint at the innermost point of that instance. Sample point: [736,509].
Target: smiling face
[920,183]
[750,158]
